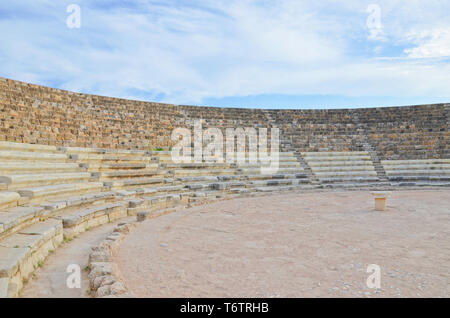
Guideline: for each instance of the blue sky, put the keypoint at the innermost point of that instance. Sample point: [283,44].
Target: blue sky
[237,53]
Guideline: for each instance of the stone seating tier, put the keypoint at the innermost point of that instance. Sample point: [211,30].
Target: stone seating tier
[14,219]
[91,187]
[79,221]
[109,167]
[24,251]
[342,167]
[41,193]
[130,173]
[18,181]
[8,199]
[14,156]
[15,146]
[24,167]
[418,172]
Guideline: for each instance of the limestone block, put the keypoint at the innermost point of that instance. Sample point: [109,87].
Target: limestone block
[8,199]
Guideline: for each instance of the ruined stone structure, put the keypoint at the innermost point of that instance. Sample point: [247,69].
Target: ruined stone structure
[70,162]
[36,114]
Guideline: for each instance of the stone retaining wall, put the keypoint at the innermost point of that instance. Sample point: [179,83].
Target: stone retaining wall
[36,114]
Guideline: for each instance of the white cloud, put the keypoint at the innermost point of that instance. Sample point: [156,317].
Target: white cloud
[192,50]
[431,43]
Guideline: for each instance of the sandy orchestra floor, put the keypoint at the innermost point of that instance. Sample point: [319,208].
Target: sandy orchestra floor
[315,244]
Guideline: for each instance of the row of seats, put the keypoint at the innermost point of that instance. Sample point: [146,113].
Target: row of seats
[418,172]
[348,169]
[356,169]
[48,194]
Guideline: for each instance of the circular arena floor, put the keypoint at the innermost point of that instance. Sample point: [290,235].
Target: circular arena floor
[315,244]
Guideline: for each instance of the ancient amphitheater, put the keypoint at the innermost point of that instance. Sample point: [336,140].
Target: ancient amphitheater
[72,163]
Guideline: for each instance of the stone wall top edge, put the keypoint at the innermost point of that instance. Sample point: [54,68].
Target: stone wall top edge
[205,107]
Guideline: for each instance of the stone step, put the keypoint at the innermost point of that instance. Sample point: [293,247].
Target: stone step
[275,176]
[18,181]
[15,219]
[15,146]
[437,178]
[347,179]
[284,188]
[291,164]
[160,153]
[414,162]
[57,205]
[166,160]
[120,174]
[281,154]
[337,158]
[278,182]
[160,190]
[136,182]
[281,159]
[177,166]
[24,167]
[196,179]
[101,151]
[198,186]
[338,163]
[201,172]
[362,184]
[241,191]
[342,168]
[53,191]
[81,150]
[126,152]
[241,177]
[227,185]
[106,167]
[32,156]
[275,171]
[8,199]
[160,202]
[108,158]
[345,173]
[81,220]
[335,154]
[287,159]
[25,250]
[417,172]
[417,167]
[422,184]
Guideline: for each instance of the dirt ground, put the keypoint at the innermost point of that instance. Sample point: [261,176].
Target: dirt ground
[316,244]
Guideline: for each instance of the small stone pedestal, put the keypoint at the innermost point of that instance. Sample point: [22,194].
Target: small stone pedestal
[380,200]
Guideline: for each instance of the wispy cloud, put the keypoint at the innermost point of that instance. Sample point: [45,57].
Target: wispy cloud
[433,43]
[192,52]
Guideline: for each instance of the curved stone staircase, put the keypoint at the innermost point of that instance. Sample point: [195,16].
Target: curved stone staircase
[50,194]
